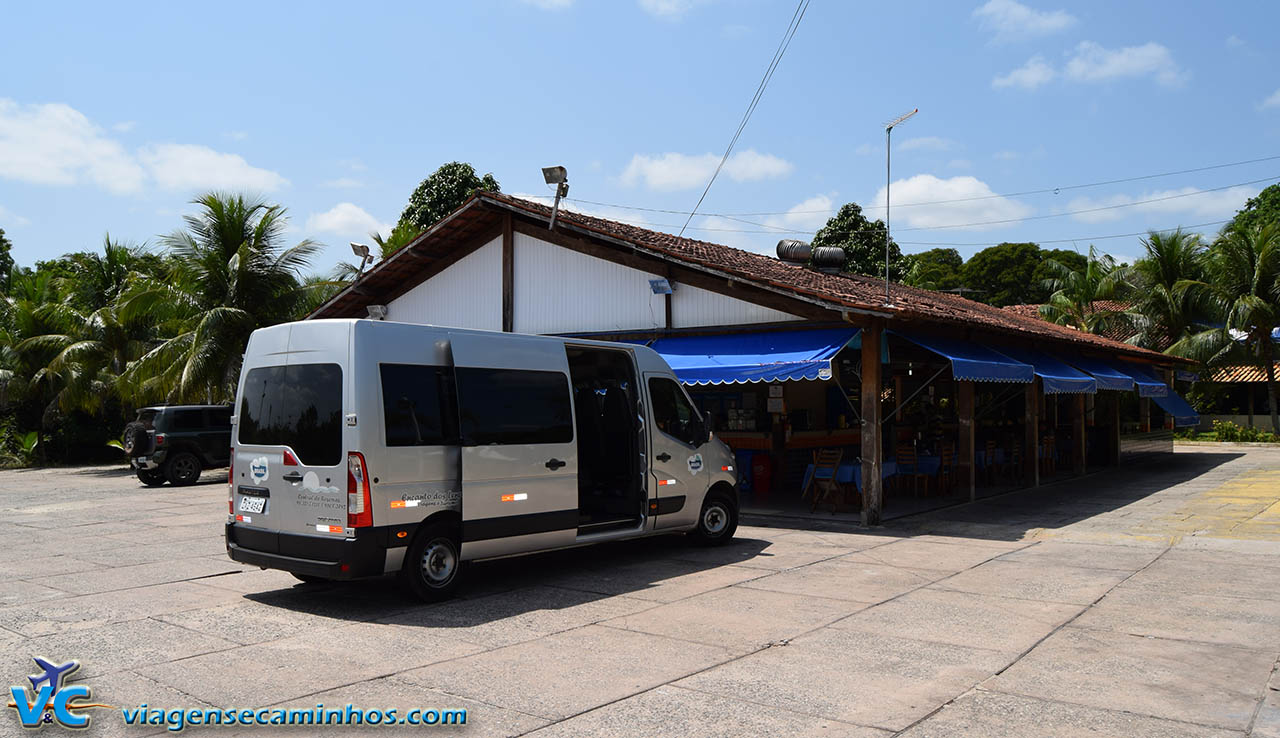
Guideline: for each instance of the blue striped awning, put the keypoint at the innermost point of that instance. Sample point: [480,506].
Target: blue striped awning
[972,361]
[1055,376]
[1183,414]
[775,356]
[1149,385]
[1107,376]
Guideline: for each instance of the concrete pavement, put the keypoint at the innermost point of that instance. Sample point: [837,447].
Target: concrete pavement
[1136,602]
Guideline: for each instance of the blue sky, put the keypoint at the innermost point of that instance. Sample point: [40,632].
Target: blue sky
[112,118]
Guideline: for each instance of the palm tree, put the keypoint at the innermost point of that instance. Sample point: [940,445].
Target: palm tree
[1242,289]
[228,275]
[1165,309]
[1076,295]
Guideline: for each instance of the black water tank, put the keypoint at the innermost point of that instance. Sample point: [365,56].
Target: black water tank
[829,258]
[796,252]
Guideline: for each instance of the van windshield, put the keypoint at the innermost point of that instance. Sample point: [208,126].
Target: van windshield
[299,406]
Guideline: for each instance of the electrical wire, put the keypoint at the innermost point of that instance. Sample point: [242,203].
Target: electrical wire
[1077,238]
[790,33]
[1023,193]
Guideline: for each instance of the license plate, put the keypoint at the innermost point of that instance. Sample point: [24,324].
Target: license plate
[252,504]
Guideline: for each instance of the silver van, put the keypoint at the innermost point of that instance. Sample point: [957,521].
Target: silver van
[367,447]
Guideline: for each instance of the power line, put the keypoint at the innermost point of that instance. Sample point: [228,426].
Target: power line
[796,17]
[1077,238]
[1023,193]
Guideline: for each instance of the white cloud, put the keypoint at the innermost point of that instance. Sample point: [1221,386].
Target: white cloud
[125,126]
[343,183]
[926,188]
[1029,76]
[195,167]
[865,149]
[55,144]
[1183,201]
[10,218]
[926,143]
[673,171]
[236,135]
[1234,42]
[807,216]
[549,4]
[1012,20]
[1005,155]
[1094,63]
[346,219]
[1273,101]
[668,9]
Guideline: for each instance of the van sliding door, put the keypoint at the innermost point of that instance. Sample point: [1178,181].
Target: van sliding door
[519,455]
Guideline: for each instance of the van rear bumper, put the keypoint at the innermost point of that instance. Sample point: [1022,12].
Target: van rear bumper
[317,556]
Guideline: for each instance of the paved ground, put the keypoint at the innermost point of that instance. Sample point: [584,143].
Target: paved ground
[1141,602]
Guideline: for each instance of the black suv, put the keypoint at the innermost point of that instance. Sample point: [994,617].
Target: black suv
[175,443]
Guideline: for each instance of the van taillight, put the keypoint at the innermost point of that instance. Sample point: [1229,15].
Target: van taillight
[231,485]
[359,502]
[289,459]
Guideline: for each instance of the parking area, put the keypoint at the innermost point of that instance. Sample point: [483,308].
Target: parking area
[1142,601]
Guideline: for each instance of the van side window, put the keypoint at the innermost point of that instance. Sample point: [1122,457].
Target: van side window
[511,406]
[672,412]
[299,406]
[417,405]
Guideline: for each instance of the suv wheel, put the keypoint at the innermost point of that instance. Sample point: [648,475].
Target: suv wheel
[432,565]
[718,520]
[151,477]
[182,469]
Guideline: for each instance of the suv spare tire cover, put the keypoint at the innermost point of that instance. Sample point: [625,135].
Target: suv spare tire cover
[134,437]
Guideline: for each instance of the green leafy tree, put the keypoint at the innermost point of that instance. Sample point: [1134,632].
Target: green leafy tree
[1075,294]
[228,275]
[935,269]
[1242,289]
[1265,208]
[1073,260]
[1005,274]
[443,192]
[1166,310]
[6,262]
[863,243]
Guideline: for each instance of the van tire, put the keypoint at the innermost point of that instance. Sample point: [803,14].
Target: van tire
[717,521]
[151,477]
[182,469]
[433,565]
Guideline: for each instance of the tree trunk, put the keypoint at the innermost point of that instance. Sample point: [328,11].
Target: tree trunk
[1268,355]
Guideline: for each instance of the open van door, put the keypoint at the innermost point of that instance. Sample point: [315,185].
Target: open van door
[519,454]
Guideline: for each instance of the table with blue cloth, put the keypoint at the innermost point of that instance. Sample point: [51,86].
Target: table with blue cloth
[849,472]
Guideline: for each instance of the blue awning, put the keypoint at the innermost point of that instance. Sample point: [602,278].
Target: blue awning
[1183,414]
[973,361]
[1056,377]
[1149,385]
[754,357]
[1108,377]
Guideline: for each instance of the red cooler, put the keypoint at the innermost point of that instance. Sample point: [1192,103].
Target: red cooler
[761,476]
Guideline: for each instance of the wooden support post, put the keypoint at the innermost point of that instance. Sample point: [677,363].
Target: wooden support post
[1144,414]
[964,407]
[897,399]
[1031,434]
[1079,446]
[1115,428]
[872,463]
[508,275]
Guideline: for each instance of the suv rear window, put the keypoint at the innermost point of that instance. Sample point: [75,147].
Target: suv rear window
[299,406]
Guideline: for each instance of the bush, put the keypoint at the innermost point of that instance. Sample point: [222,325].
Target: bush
[1225,430]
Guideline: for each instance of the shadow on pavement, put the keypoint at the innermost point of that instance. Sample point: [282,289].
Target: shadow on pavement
[551,580]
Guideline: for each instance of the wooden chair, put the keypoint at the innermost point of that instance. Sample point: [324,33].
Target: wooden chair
[909,466]
[947,468]
[1048,450]
[826,465]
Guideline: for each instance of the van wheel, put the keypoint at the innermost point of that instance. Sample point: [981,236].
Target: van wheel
[182,469]
[718,520]
[151,477]
[432,565]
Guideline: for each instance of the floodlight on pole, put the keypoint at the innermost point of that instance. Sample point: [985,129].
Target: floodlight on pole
[361,250]
[559,177]
[888,182]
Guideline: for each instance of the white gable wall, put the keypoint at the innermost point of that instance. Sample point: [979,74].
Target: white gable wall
[557,290]
[467,294]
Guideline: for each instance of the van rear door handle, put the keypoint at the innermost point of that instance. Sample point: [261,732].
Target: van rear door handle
[554,464]
[292,477]
[664,456]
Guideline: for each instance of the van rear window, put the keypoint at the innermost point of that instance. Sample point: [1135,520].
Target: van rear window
[512,406]
[299,406]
